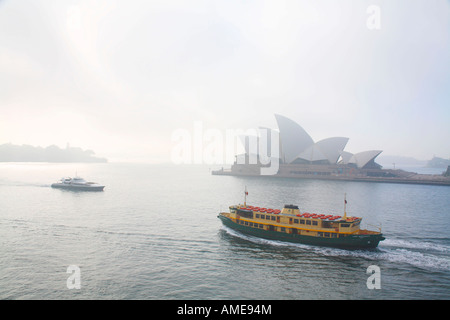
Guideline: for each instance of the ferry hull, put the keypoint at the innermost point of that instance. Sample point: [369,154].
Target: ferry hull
[349,242]
[77,188]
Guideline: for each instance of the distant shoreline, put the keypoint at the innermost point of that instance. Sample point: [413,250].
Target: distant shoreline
[1,161]
[52,154]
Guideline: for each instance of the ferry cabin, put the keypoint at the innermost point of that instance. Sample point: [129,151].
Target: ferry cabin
[291,221]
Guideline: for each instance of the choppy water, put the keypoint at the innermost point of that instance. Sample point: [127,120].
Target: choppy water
[154,234]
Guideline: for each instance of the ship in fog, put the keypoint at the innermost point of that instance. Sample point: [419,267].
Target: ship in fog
[298,156]
[77,184]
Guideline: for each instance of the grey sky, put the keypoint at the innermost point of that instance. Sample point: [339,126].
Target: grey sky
[119,77]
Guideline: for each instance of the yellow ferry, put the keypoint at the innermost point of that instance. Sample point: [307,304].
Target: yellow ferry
[289,224]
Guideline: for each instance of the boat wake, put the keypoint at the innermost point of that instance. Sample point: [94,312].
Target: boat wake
[416,245]
[23,184]
[421,254]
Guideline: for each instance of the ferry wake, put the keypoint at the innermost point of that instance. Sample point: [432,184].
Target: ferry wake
[289,224]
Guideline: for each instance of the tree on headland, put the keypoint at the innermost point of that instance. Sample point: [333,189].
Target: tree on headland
[27,153]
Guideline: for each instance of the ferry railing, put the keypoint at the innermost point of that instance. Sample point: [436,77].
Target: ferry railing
[375,226]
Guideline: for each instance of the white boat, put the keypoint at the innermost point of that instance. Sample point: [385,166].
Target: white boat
[77,183]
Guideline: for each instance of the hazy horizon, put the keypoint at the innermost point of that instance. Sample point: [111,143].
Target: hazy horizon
[119,78]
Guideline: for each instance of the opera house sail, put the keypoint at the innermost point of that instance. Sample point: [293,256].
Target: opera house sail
[296,155]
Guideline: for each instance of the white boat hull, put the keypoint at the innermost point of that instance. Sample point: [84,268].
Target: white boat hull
[78,187]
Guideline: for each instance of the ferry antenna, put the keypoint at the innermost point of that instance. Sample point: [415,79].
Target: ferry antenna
[245,197]
[345,205]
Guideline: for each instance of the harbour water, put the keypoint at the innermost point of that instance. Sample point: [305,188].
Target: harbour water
[153,233]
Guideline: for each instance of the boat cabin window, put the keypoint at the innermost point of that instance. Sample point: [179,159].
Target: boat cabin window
[302,221]
[345,225]
[296,221]
[314,223]
[308,222]
[246,214]
[327,234]
[263,216]
[326,224]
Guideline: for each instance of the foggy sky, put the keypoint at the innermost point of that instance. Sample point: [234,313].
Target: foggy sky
[119,77]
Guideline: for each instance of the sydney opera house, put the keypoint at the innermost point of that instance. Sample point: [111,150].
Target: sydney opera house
[297,147]
[296,155]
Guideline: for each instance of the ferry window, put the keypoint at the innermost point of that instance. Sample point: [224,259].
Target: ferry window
[267,217]
[262,216]
[257,216]
[308,222]
[295,220]
[326,234]
[283,229]
[250,224]
[320,234]
[273,218]
[314,223]
[326,224]
[246,223]
[302,221]
[334,235]
[261,226]
[345,225]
